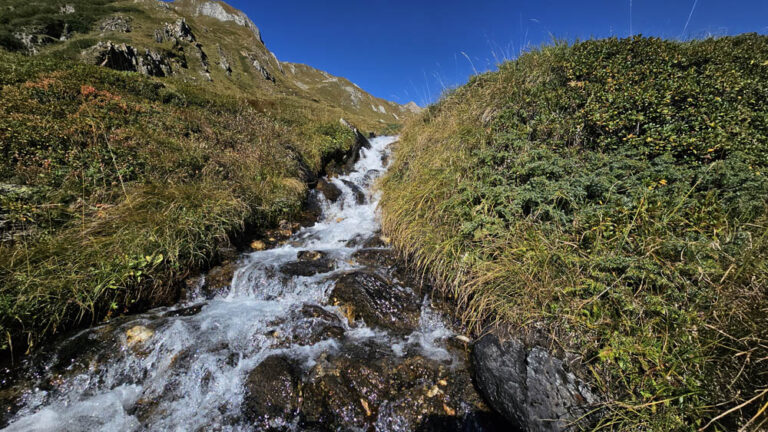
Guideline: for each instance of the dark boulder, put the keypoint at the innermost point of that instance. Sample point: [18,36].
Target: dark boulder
[377,301]
[530,387]
[272,392]
[330,191]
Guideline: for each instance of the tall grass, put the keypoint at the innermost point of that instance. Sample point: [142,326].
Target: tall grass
[120,186]
[611,195]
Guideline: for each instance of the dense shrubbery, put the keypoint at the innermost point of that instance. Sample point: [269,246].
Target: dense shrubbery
[616,191]
[114,186]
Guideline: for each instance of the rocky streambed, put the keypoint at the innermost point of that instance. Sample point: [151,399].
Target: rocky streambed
[321,332]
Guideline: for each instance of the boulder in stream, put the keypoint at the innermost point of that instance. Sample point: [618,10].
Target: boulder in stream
[272,392]
[377,301]
[530,387]
[330,191]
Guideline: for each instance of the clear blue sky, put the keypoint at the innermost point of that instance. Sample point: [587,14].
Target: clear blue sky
[405,50]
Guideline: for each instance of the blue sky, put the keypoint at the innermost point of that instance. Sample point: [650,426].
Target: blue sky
[411,50]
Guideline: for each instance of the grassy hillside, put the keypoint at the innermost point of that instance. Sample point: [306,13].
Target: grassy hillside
[114,185]
[614,194]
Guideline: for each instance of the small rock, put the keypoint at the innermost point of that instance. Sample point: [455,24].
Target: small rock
[310,255]
[138,335]
[308,267]
[258,245]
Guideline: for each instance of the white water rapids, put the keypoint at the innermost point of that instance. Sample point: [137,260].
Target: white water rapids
[191,373]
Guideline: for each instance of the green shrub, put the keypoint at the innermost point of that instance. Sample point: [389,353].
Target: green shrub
[614,191]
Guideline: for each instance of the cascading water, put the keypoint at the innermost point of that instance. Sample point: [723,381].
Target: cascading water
[190,367]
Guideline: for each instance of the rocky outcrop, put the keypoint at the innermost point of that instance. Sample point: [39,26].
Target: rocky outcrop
[219,11]
[263,70]
[412,107]
[127,58]
[177,31]
[66,9]
[33,38]
[223,62]
[117,24]
[530,387]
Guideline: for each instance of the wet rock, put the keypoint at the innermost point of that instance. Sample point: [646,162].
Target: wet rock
[308,267]
[218,278]
[377,301]
[377,258]
[376,241]
[371,175]
[312,210]
[366,387]
[356,191]
[117,24]
[138,335]
[272,392]
[311,324]
[258,245]
[330,191]
[530,387]
[187,311]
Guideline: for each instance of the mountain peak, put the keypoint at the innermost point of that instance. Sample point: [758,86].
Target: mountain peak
[218,10]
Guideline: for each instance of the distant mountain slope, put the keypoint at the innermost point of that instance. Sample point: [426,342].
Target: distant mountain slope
[346,94]
[196,41]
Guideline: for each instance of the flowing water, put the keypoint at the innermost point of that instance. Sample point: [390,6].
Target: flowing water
[188,367]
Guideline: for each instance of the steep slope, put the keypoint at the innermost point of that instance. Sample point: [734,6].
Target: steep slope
[139,140]
[347,95]
[606,202]
[204,42]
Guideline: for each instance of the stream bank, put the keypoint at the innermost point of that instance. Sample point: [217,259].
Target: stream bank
[322,332]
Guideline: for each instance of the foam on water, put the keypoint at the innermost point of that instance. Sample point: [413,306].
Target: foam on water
[194,367]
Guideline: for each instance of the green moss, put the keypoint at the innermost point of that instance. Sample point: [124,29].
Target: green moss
[615,191]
